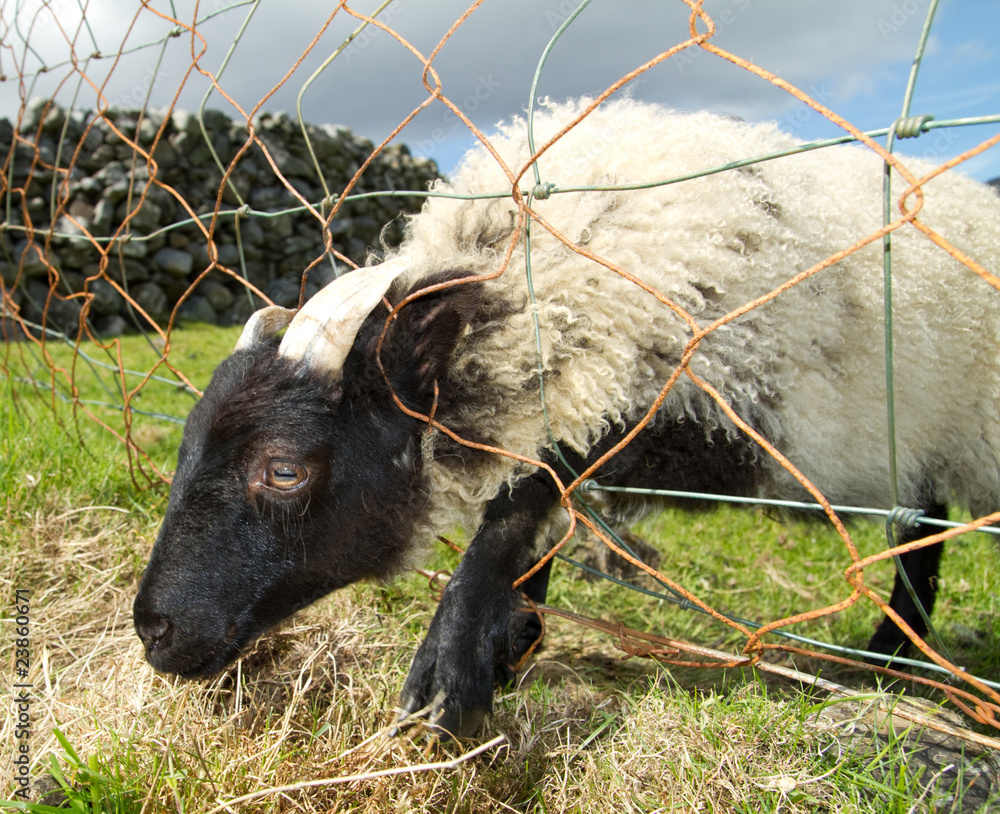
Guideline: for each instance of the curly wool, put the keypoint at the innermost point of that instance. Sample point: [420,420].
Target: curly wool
[807,369]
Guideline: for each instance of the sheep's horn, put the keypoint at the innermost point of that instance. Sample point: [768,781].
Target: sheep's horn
[264,324]
[323,331]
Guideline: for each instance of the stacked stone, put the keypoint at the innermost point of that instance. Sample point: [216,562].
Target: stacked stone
[105,180]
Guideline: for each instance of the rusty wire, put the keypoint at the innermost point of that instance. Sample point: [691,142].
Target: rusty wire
[112,251]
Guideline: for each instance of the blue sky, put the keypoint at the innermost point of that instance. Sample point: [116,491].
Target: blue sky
[853,54]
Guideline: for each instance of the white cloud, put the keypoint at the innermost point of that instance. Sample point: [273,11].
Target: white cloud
[855,53]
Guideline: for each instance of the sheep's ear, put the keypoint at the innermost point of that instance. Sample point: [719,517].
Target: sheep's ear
[263,325]
[429,328]
[323,331]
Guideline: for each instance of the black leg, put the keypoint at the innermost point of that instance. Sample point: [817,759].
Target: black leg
[525,625]
[921,567]
[469,641]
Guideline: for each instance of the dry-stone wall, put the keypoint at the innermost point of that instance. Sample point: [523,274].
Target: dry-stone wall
[104,177]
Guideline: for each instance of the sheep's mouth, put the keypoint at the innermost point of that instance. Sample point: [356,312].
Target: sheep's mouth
[201,656]
[204,660]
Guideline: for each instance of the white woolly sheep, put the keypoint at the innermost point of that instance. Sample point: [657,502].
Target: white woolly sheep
[299,473]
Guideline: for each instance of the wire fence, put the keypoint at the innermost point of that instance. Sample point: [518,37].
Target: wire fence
[66,255]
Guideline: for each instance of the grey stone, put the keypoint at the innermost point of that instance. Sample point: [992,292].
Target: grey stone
[147,131]
[192,148]
[100,156]
[46,150]
[283,292]
[269,197]
[28,257]
[104,214]
[104,299]
[79,208]
[252,231]
[122,126]
[341,227]
[240,311]
[252,253]
[134,271]
[117,192]
[38,208]
[108,180]
[216,121]
[184,122]
[172,286]
[299,244]
[323,273]
[146,217]
[218,296]
[154,244]
[305,189]
[134,250]
[111,326]
[58,313]
[165,155]
[71,228]
[224,148]
[197,309]
[292,265]
[288,164]
[259,272]
[6,133]
[151,298]
[140,172]
[229,255]
[33,112]
[237,190]
[199,252]
[279,227]
[174,262]
[71,282]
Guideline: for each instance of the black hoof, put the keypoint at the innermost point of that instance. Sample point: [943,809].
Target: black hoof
[441,720]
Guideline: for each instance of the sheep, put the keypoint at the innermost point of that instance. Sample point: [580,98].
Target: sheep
[330,452]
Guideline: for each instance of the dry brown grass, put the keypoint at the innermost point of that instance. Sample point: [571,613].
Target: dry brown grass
[300,723]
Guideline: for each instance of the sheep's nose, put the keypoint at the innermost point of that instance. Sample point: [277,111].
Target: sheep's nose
[153,631]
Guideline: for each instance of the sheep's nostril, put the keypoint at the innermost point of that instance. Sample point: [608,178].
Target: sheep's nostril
[153,631]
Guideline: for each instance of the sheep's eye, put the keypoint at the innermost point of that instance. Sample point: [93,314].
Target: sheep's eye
[284,475]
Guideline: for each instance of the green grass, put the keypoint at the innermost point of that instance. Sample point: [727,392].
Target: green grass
[586,730]
[52,408]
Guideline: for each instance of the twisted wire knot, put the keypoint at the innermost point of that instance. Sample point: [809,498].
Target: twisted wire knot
[907,518]
[542,191]
[912,126]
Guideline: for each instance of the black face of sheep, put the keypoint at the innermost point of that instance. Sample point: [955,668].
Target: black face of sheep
[292,480]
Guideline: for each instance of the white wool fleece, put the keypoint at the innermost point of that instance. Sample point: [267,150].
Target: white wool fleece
[806,369]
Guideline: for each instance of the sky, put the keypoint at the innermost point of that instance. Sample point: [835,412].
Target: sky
[852,55]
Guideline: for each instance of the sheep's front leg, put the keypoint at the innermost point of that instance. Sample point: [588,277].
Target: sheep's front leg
[469,643]
[921,567]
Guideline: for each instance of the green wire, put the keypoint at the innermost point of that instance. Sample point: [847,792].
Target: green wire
[889,342]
